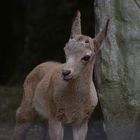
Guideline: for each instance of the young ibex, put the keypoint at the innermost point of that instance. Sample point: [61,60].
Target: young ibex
[62,93]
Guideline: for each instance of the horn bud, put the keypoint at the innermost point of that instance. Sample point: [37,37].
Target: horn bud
[76,26]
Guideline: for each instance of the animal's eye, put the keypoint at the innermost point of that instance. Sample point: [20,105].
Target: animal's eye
[87,41]
[86,57]
[71,37]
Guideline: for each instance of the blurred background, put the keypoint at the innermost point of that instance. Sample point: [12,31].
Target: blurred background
[34,31]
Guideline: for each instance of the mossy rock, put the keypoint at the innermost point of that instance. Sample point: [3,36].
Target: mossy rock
[119,92]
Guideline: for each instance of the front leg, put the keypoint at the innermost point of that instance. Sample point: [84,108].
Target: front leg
[56,131]
[80,131]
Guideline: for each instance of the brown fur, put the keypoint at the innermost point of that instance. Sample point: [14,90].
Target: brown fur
[60,101]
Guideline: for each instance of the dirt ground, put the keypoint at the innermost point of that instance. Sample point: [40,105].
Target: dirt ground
[95,132]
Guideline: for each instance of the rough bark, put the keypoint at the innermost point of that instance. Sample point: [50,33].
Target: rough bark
[119,92]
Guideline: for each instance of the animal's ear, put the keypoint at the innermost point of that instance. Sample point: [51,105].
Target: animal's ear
[101,35]
[76,26]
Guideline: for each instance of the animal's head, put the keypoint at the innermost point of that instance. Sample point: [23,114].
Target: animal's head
[81,50]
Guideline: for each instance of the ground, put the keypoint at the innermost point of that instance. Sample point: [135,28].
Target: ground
[35,133]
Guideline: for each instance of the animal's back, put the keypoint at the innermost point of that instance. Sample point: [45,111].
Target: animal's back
[31,82]
[36,75]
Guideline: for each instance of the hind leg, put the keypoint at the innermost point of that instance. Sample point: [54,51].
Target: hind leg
[21,130]
[24,118]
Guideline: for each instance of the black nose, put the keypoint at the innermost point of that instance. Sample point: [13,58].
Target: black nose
[66,72]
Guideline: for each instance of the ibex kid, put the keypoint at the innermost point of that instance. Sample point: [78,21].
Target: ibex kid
[63,93]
